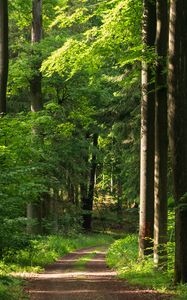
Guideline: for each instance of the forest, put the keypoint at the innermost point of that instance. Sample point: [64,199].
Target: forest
[93,142]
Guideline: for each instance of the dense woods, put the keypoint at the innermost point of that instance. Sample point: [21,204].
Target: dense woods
[93,124]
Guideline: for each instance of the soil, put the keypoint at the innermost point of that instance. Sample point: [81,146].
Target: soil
[64,280]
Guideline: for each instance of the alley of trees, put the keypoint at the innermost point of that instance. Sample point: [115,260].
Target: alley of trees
[93,122]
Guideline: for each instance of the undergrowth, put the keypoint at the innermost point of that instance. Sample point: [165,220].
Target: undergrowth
[123,256]
[11,288]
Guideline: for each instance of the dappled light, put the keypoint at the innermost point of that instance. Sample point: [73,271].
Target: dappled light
[62,280]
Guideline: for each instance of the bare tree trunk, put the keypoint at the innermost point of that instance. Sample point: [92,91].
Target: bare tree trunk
[161,138]
[177,96]
[36,36]
[3,53]
[147,134]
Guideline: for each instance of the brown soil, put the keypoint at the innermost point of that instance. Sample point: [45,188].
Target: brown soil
[63,281]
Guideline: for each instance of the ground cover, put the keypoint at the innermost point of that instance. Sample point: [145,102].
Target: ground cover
[123,256]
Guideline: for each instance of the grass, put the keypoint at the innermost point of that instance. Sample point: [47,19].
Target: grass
[80,264]
[123,256]
[41,251]
[11,288]
[45,250]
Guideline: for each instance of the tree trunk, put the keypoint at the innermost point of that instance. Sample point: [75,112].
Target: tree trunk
[83,192]
[88,200]
[161,138]
[119,200]
[177,96]
[76,195]
[36,36]
[34,212]
[36,102]
[70,191]
[3,53]
[147,134]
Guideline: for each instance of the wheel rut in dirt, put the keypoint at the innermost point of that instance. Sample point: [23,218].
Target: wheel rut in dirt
[65,280]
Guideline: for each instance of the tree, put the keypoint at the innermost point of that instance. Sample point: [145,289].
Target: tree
[36,36]
[177,97]
[3,53]
[161,139]
[34,210]
[87,204]
[147,131]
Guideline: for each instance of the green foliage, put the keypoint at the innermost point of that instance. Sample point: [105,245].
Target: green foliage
[181,292]
[90,56]
[44,250]
[44,162]
[123,251]
[10,288]
[123,255]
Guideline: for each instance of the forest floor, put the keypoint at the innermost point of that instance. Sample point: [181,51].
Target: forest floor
[81,275]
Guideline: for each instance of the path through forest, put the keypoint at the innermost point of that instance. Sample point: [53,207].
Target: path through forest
[77,276]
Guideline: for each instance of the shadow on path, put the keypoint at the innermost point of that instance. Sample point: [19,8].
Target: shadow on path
[62,281]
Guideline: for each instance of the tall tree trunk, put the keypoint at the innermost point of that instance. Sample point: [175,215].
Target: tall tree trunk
[147,134]
[177,96]
[36,36]
[3,53]
[34,210]
[88,200]
[161,138]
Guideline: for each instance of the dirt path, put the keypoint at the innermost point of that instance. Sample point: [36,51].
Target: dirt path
[64,280]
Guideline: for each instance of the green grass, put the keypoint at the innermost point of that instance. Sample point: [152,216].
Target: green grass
[80,264]
[45,250]
[123,256]
[181,292]
[11,288]
[42,251]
